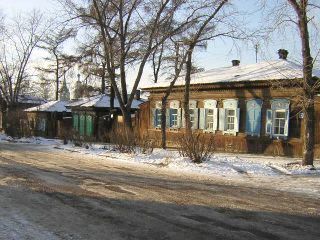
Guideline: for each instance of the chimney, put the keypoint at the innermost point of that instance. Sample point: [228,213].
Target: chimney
[283,53]
[235,63]
[137,95]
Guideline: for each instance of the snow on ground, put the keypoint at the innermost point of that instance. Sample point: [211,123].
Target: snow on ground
[31,140]
[220,164]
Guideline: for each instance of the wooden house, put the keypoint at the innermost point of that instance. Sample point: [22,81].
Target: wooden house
[51,119]
[16,120]
[250,109]
[92,118]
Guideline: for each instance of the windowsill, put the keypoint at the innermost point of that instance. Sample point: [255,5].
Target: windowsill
[230,133]
[209,131]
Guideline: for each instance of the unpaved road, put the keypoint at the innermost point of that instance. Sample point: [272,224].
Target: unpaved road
[60,195]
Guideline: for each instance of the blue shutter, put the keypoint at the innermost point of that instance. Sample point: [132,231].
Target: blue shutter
[253,118]
[286,126]
[257,121]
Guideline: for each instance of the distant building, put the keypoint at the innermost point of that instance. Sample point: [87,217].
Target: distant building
[51,119]
[64,92]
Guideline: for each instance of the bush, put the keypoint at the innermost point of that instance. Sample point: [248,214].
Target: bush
[145,144]
[123,141]
[198,147]
[130,143]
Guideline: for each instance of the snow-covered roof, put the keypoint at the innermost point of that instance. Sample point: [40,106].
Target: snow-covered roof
[52,106]
[271,70]
[101,101]
[28,99]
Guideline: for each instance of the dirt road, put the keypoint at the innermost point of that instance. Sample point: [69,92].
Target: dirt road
[61,195]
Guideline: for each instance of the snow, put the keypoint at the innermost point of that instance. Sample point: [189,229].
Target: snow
[31,99]
[262,71]
[30,140]
[52,106]
[101,101]
[220,164]
[243,168]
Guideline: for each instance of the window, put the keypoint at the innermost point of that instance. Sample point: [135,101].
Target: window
[209,116]
[230,116]
[279,122]
[158,118]
[192,117]
[193,113]
[173,118]
[209,119]
[174,114]
[156,114]
[277,118]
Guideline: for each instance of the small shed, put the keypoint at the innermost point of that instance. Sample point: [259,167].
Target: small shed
[51,119]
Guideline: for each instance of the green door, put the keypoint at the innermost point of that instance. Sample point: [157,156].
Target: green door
[76,122]
[82,123]
[89,126]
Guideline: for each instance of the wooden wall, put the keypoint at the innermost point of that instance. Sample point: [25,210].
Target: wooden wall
[240,143]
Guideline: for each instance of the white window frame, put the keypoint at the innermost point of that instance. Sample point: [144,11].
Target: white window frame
[228,116]
[280,105]
[174,118]
[209,105]
[158,114]
[175,105]
[229,104]
[209,119]
[194,116]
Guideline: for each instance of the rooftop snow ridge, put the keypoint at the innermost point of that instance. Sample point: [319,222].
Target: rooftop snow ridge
[268,70]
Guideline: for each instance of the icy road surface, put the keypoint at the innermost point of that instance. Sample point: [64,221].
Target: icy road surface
[54,194]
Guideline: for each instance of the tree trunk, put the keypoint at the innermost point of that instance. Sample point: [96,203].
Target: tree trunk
[186,99]
[128,125]
[308,88]
[103,79]
[57,80]
[308,143]
[163,122]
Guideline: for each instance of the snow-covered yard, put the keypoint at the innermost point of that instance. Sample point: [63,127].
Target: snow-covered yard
[220,164]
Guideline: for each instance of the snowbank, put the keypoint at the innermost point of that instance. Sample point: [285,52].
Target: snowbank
[221,164]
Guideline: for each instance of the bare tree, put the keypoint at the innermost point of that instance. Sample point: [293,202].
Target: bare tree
[131,31]
[310,85]
[17,43]
[59,62]
[303,15]
[211,16]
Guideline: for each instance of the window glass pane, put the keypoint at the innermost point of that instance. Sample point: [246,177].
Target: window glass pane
[209,119]
[174,117]
[191,111]
[230,119]
[158,116]
[279,122]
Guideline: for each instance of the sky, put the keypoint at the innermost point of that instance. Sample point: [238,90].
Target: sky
[218,53]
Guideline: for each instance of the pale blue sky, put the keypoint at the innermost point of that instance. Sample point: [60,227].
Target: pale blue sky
[219,53]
